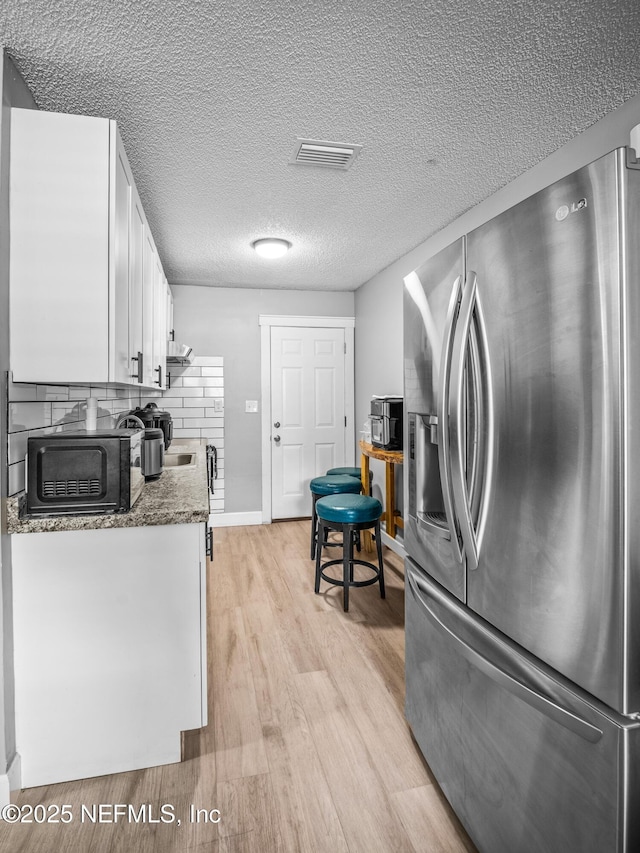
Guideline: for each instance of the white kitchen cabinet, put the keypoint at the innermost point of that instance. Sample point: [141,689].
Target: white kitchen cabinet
[136,290]
[160,327]
[78,237]
[170,333]
[110,648]
[150,273]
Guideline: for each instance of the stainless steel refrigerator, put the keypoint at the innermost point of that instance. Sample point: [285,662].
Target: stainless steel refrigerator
[522,527]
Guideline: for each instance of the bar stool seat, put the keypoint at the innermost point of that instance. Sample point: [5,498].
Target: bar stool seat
[350,472]
[349,513]
[328,484]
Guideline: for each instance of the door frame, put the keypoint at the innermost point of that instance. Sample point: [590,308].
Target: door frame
[266,321]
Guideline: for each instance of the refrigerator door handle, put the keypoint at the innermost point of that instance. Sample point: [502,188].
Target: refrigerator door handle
[516,686]
[458,454]
[444,455]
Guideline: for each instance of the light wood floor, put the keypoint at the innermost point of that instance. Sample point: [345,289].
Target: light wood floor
[306,749]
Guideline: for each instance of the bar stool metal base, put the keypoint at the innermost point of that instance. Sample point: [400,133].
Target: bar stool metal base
[349,531]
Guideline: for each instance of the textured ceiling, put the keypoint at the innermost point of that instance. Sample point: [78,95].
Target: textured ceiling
[450,99]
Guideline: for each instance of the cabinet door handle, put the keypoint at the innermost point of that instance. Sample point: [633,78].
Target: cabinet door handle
[158,370]
[208,541]
[139,358]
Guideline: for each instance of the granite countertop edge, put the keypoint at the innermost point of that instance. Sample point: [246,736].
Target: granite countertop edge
[179,496]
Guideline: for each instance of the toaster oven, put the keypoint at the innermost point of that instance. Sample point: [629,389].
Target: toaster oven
[386,422]
[84,472]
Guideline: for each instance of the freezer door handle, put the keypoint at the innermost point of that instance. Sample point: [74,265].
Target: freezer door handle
[437,613]
[444,456]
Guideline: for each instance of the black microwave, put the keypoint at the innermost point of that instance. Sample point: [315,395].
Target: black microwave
[73,473]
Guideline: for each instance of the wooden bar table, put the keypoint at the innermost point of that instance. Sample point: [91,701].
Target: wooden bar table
[391,516]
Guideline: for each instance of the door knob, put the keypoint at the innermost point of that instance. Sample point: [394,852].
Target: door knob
[276,438]
[277,424]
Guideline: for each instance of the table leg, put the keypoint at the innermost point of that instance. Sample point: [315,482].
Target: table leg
[366,488]
[390,502]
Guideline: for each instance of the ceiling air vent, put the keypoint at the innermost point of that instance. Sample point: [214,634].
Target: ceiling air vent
[332,155]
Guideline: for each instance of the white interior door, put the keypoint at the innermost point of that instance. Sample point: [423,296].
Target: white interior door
[308,423]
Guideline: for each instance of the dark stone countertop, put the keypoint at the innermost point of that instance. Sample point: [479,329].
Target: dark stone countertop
[179,496]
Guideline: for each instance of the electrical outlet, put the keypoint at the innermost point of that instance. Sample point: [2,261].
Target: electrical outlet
[251,406]
[218,404]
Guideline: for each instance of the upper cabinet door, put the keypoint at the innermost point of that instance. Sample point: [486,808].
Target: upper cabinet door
[83,261]
[120,266]
[160,327]
[59,247]
[136,291]
[149,277]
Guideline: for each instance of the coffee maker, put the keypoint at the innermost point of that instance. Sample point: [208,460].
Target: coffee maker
[153,417]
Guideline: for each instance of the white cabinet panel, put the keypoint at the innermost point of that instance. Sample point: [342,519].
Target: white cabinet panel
[110,648]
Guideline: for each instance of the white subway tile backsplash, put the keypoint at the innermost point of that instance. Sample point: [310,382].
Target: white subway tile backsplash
[209,432]
[169,403]
[79,392]
[198,422]
[201,382]
[17,449]
[18,391]
[16,478]
[209,360]
[193,402]
[52,392]
[186,392]
[29,416]
[39,409]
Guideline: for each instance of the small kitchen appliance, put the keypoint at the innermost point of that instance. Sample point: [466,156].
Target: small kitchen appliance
[153,417]
[84,472]
[152,453]
[152,445]
[386,422]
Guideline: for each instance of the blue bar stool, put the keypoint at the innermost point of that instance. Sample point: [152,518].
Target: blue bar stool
[348,513]
[329,484]
[350,472]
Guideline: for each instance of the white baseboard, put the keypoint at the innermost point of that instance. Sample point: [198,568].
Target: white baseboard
[396,545]
[235,519]
[10,781]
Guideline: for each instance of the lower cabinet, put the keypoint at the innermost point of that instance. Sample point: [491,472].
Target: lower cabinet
[110,648]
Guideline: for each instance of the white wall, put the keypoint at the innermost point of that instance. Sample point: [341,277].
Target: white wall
[378,303]
[14,93]
[225,321]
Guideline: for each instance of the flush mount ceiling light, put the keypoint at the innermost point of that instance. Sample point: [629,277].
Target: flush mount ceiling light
[271,247]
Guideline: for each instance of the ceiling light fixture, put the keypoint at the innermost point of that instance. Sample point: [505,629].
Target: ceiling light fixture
[271,247]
